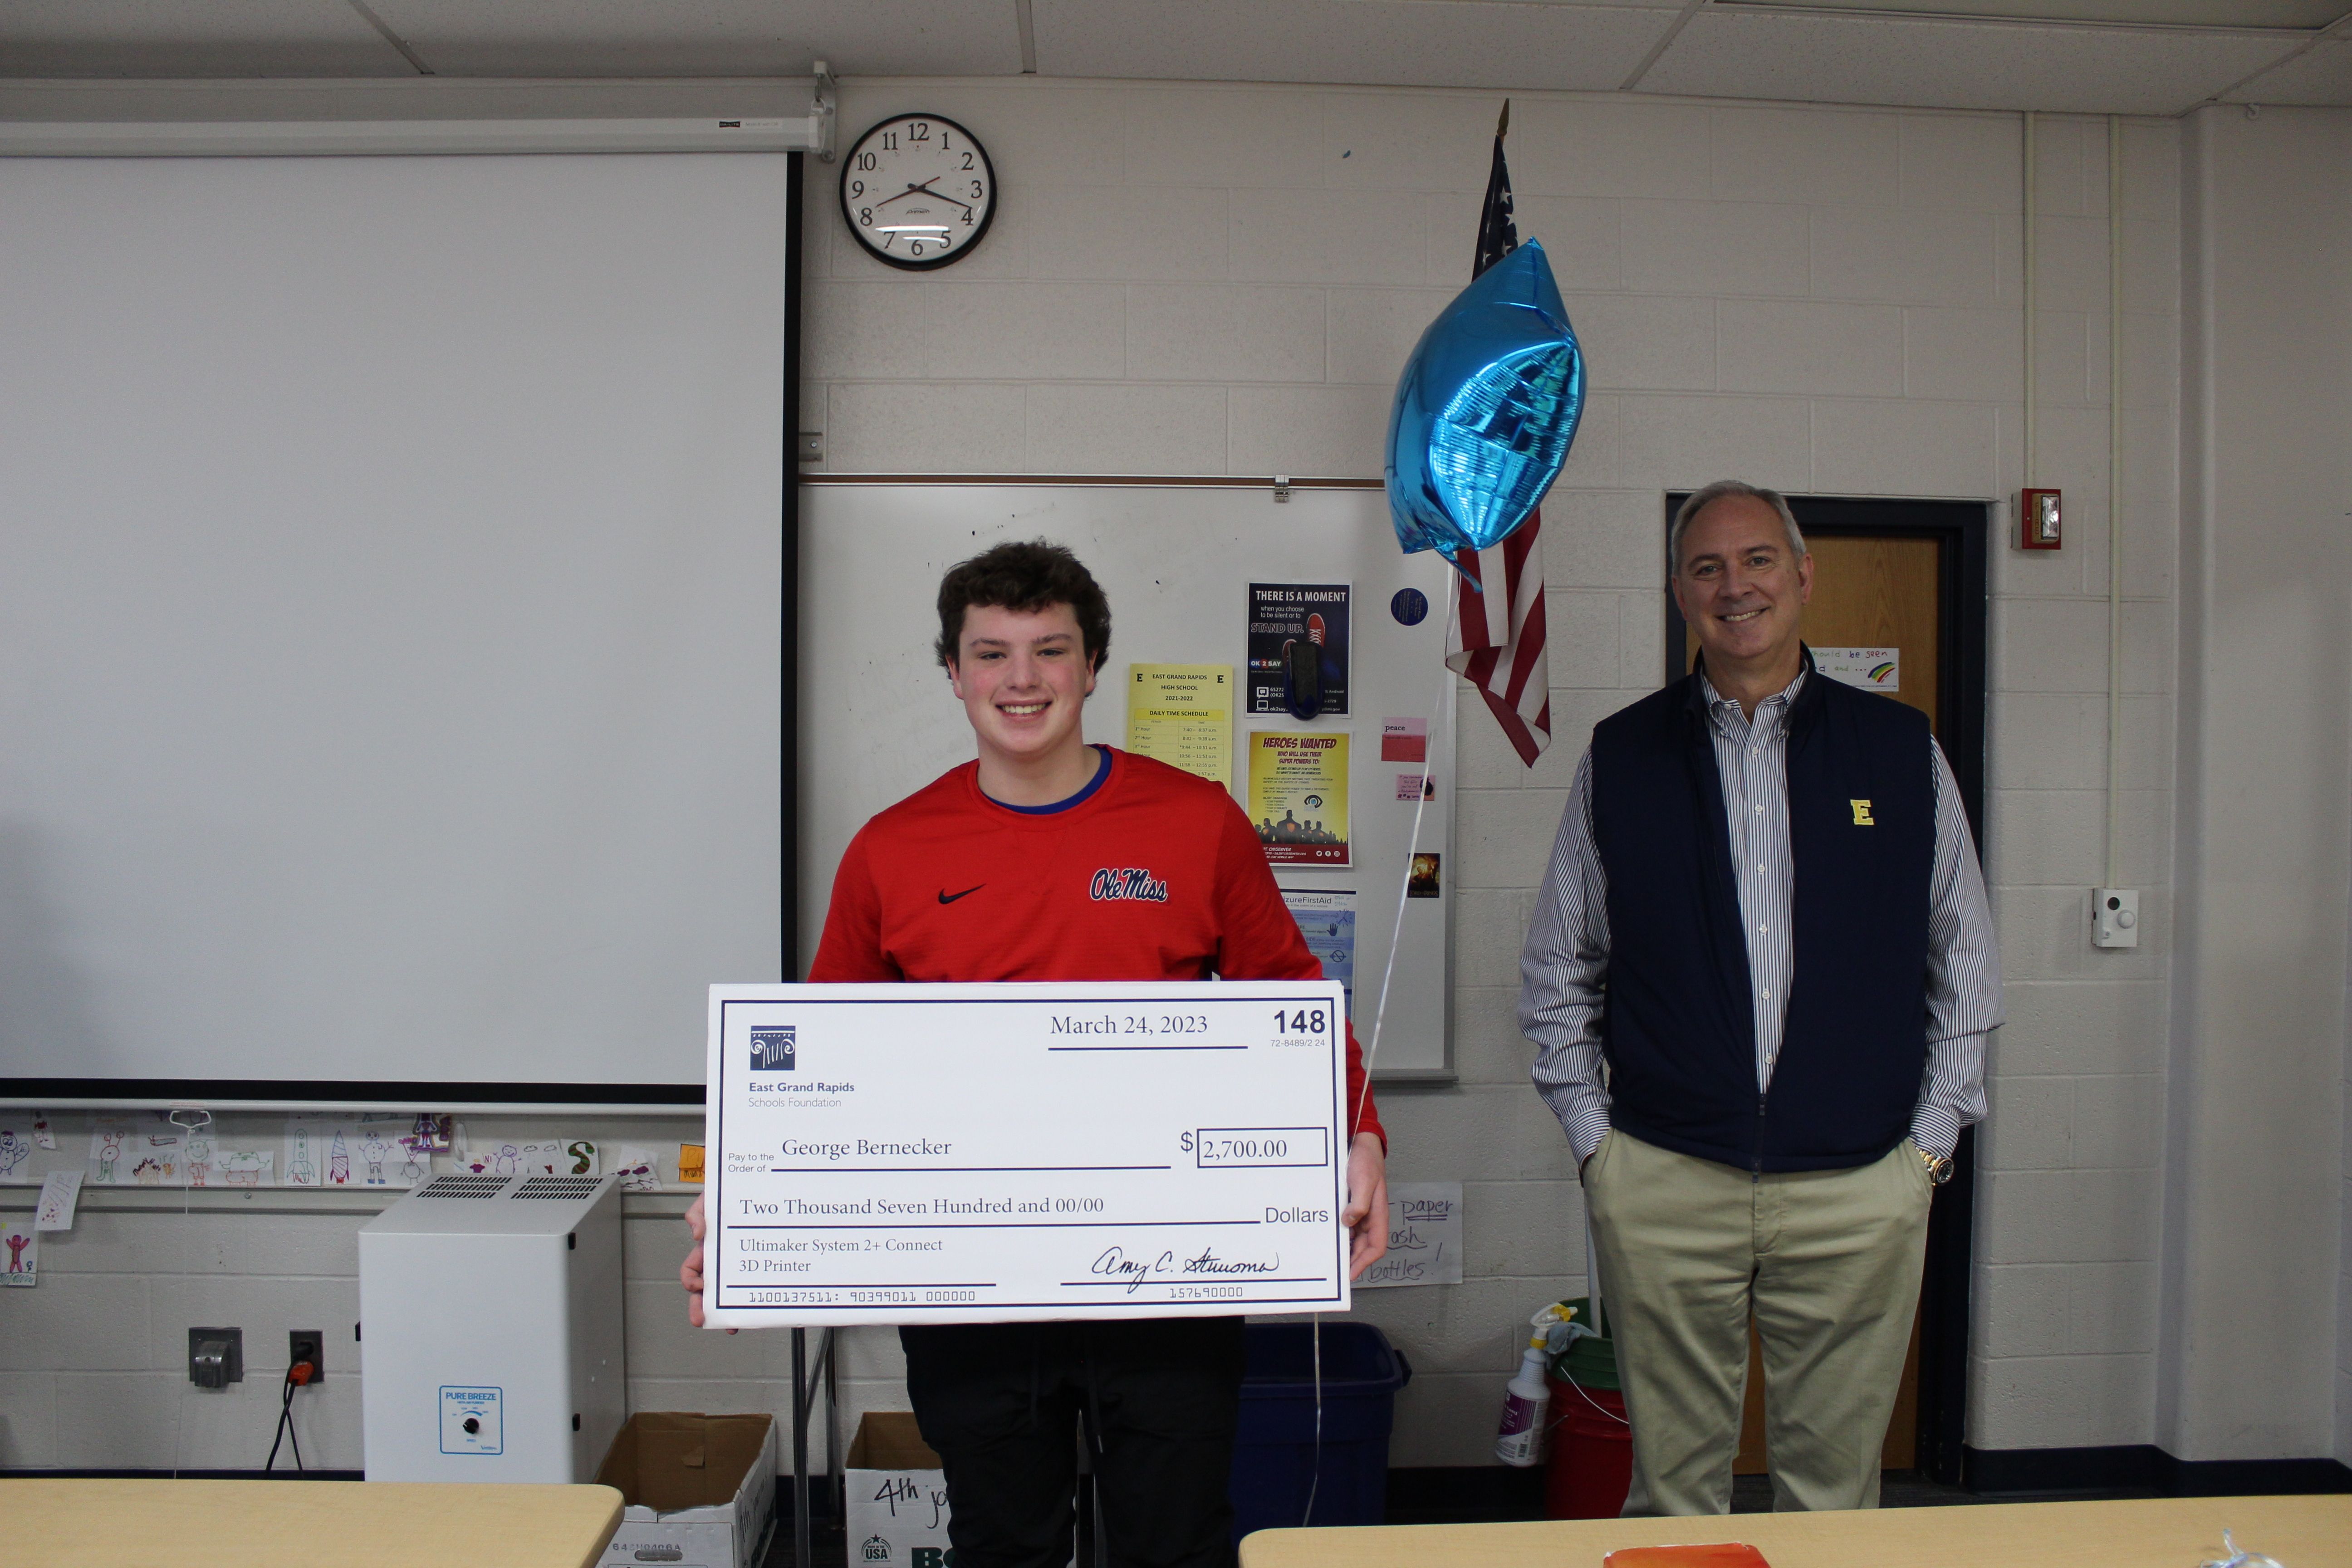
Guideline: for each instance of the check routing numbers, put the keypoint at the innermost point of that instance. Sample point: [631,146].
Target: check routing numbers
[932,1153]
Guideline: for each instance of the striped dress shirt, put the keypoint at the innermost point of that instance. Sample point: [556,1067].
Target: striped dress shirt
[1565,966]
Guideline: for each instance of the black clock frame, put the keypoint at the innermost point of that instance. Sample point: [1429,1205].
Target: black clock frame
[954,253]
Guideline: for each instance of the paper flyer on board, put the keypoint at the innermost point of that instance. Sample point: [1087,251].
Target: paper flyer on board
[1282,613]
[1182,714]
[1298,795]
[1326,919]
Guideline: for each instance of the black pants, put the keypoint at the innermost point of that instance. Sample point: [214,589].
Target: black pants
[1001,1402]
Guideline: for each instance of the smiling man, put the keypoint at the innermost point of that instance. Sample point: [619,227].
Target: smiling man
[1047,859]
[1763,912]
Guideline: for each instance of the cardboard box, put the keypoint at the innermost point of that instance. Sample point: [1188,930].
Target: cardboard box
[898,1513]
[699,1490]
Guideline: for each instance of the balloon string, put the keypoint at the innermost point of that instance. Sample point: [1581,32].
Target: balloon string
[1466,574]
[1438,715]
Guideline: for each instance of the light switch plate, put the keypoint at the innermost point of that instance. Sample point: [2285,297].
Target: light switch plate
[2115,916]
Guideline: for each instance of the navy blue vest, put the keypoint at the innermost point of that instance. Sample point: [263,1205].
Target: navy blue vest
[1678,1028]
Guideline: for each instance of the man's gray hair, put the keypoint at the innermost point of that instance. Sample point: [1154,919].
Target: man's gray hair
[1703,499]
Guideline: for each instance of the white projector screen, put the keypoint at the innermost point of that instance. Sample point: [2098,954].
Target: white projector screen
[391,619]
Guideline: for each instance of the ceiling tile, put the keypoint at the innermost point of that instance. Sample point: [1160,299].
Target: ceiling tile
[97,38]
[1414,43]
[709,37]
[2166,13]
[2324,76]
[1943,64]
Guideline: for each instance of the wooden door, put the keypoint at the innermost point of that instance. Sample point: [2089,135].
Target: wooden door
[1868,592]
[1876,592]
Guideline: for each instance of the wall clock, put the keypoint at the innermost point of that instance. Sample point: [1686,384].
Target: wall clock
[918,191]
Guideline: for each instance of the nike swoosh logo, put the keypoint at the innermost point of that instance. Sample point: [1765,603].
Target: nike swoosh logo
[947,897]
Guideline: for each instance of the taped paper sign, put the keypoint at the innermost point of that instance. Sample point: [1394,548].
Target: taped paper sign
[23,1245]
[317,1153]
[1871,668]
[244,1167]
[123,1156]
[110,1142]
[15,1153]
[1404,740]
[60,1191]
[1425,1237]
[496,1160]
[560,1157]
[637,1167]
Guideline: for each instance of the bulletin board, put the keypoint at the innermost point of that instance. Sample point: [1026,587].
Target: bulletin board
[1177,559]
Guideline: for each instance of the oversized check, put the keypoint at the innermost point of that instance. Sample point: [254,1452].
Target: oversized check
[968,1153]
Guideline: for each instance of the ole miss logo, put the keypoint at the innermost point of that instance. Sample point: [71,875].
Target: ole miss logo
[1128,882]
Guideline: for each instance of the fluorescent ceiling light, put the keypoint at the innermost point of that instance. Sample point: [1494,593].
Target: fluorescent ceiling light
[2288,14]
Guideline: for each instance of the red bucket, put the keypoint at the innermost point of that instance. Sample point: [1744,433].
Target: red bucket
[1591,1463]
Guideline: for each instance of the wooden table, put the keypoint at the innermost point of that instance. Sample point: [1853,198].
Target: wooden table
[302,1524]
[2163,1532]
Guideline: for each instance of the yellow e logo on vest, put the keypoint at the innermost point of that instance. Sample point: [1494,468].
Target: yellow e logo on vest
[1862,814]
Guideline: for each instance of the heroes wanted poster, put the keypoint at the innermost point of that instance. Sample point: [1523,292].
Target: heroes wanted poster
[1282,613]
[1298,795]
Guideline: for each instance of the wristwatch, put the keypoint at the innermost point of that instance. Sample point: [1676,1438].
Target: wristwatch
[1940,1168]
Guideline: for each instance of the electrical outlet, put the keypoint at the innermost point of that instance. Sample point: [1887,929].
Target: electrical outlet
[2115,916]
[310,1345]
[215,1357]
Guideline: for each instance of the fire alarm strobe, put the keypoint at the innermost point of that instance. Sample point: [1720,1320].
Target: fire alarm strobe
[2040,524]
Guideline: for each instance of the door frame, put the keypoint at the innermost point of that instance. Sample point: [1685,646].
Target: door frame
[1963,533]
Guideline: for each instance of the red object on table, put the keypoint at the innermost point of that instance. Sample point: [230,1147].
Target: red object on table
[1589,1464]
[1728,1555]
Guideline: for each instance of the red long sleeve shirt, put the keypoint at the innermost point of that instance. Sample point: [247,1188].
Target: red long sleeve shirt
[1155,876]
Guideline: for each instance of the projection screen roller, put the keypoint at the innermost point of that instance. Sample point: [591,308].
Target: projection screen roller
[390,615]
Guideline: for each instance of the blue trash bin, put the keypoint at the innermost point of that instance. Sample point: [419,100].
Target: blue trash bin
[1276,1457]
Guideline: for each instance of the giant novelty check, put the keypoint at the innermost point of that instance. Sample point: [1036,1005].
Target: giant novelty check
[968,1153]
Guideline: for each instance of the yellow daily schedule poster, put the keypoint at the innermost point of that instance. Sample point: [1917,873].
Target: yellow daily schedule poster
[1182,714]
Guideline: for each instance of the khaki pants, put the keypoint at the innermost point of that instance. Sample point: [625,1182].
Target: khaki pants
[1828,1262]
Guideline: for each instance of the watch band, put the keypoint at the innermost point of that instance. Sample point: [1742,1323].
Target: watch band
[1939,1167]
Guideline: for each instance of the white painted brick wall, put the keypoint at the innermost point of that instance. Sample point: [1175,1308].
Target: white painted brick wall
[1214,279]
[1819,299]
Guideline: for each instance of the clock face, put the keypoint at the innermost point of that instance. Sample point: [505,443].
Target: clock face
[918,191]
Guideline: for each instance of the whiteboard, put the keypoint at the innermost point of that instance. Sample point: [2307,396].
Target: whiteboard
[391,621]
[878,722]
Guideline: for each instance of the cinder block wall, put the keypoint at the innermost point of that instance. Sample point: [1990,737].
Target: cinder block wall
[1213,279]
[1225,279]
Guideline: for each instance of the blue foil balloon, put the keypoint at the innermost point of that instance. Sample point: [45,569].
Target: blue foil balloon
[1485,410]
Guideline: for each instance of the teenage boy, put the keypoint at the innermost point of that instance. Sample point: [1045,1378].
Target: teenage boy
[1046,858]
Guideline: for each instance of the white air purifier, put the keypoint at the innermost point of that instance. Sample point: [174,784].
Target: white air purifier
[491,1329]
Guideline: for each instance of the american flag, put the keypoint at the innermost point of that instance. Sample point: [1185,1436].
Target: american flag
[1499,637]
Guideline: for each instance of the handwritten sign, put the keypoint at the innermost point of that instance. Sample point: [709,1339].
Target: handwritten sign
[1425,1237]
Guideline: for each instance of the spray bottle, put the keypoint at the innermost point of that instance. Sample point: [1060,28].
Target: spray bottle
[1527,1399]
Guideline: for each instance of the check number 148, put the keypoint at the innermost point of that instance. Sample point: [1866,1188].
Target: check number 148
[1235,1148]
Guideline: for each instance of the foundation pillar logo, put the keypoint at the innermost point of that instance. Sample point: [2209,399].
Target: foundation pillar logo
[775,1050]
